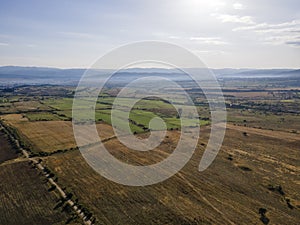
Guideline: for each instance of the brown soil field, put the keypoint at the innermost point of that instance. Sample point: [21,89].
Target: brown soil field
[49,136]
[25,199]
[252,173]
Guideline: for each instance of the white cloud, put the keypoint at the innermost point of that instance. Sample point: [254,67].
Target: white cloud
[195,39]
[276,34]
[226,18]
[279,31]
[209,40]
[174,37]
[266,26]
[214,52]
[282,39]
[238,6]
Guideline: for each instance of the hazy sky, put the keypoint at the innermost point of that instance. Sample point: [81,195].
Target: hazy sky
[223,33]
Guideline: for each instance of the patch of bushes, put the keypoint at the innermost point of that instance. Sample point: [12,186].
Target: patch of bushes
[276,188]
[230,157]
[245,168]
[263,217]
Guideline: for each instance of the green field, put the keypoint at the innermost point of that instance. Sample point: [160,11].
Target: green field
[59,103]
[140,115]
[43,116]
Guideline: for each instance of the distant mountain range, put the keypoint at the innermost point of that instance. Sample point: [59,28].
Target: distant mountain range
[43,75]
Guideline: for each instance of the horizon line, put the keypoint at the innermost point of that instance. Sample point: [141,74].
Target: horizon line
[220,68]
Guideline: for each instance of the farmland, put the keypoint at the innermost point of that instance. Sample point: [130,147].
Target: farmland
[48,128]
[225,191]
[25,198]
[7,151]
[23,192]
[49,136]
[253,180]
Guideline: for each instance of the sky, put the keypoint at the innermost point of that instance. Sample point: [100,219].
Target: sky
[223,33]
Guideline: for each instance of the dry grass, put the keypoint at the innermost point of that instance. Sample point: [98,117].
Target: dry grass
[49,136]
[7,152]
[230,191]
[22,106]
[245,177]
[267,133]
[25,199]
[29,106]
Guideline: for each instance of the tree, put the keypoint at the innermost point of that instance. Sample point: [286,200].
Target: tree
[179,113]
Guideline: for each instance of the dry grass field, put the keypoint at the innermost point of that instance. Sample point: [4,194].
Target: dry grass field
[25,199]
[267,121]
[44,136]
[6,152]
[254,179]
[49,136]
[21,106]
